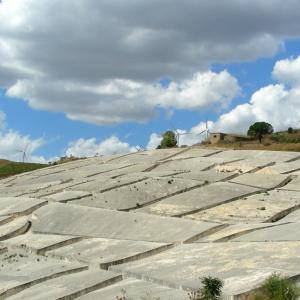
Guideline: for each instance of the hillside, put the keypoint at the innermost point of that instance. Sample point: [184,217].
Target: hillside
[150,222]
[279,141]
[10,168]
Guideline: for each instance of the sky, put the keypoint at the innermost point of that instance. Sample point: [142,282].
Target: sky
[89,77]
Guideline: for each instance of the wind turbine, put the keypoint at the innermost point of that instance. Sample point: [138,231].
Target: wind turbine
[24,152]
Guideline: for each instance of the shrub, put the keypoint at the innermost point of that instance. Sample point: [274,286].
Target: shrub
[277,288]
[290,130]
[260,128]
[211,290]
[168,140]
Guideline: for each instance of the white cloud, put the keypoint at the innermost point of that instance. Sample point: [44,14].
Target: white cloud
[122,100]
[91,147]
[154,141]
[288,71]
[97,61]
[12,145]
[276,104]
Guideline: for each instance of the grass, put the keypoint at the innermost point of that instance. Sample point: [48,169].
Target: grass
[277,287]
[279,141]
[9,168]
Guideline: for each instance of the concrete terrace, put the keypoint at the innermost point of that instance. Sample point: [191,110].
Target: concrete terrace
[150,222]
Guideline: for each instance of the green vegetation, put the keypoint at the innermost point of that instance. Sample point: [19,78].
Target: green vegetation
[260,128]
[291,136]
[211,290]
[277,288]
[9,168]
[168,140]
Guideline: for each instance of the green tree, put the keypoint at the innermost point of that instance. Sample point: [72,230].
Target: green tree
[212,288]
[260,128]
[277,288]
[168,140]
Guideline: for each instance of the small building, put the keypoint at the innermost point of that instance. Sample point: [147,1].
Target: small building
[215,138]
[218,137]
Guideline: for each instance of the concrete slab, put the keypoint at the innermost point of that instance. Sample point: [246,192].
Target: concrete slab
[14,228]
[291,217]
[102,183]
[40,243]
[5,219]
[263,181]
[102,223]
[150,156]
[264,207]
[21,270]
[278,156]
[196,152]
[233,231]
[245,166]
[282,168]
[242,266]
[139,194]
[196,164]
[106,252]
[19,206]
[67,196]
[136,289]
[284,232]
[294,185]
[23,189]
[71,286]
[200,199]
[210,176]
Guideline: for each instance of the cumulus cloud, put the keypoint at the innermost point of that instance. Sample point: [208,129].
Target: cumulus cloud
[12,144]
[104,68]
[277,104]
[91,147]
[287,71]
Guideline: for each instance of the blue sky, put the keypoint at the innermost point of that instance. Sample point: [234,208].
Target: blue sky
[62,92]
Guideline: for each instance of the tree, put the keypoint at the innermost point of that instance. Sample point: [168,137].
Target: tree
[168,140]
[276,287]
[258,129]
[290,130]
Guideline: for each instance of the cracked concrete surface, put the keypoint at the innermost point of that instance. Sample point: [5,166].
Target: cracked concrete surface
[151,222]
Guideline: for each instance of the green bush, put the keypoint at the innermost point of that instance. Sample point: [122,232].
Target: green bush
[211,290]
[277,288]
[260,128]
[168,140]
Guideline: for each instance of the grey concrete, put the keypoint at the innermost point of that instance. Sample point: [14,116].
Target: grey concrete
[138,194]
[264,181]
[198,164]
[102,183]
[282,168]
[196,152]
[240,231]
[294,185]
[19,206]
[136,290]
[283,232]
[200,199]
[242,266]
[263,207]
[209,175]
[20,270]
[105,252]
[39,243]
[13,228]
[233,231]
[71,285]
[67,196]
[102,223]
